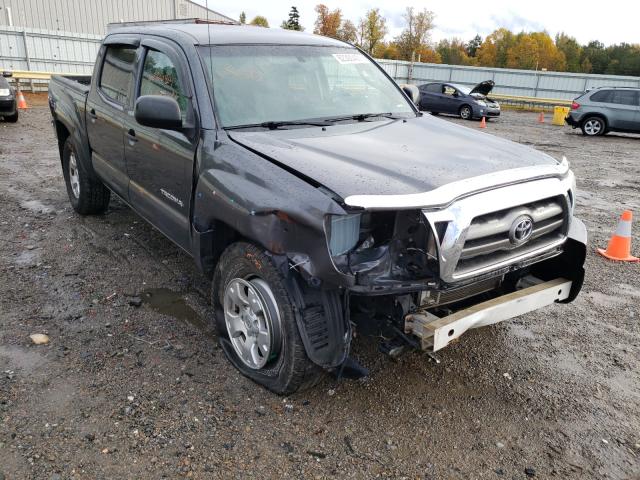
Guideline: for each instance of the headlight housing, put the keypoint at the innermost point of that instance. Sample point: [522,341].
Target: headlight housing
[343,232]
[482,103]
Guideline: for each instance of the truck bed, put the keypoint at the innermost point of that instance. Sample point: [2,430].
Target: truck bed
[80,83]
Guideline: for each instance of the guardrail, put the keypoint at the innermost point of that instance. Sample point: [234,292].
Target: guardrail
[34,80]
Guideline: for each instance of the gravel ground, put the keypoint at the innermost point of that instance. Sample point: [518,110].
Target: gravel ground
[126,391]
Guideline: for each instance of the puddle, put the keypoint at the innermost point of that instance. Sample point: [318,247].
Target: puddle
[36,206]
[169,302]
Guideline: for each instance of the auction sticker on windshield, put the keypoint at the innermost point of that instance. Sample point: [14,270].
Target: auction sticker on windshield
[349,58]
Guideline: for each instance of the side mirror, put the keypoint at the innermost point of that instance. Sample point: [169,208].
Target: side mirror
[158,111]
[412,92]
[6,74]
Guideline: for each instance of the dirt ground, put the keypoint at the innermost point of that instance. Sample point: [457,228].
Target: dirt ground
[145,393]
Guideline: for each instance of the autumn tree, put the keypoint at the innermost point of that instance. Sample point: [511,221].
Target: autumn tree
[348,32]
[293,23]
[416,33]
[371,31]
[327,22]
[493,51]
[260,21]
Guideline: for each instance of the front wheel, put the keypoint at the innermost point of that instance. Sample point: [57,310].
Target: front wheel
[465,112]
[255,321]
[593,126]
[12,118]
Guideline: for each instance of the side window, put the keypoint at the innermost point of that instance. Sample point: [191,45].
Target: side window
[117,72]
[625,97]
[160,77]
[603,96]
[450,91]
[434,88]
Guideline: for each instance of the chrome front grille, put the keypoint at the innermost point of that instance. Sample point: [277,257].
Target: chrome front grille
[480,234]
[488,237]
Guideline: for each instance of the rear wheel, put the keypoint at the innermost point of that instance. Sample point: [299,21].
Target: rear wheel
[255,321]
[87,196]
[465,112]
[593,126]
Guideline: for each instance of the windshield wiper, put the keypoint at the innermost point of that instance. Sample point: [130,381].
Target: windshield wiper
[361,117]
[285,123]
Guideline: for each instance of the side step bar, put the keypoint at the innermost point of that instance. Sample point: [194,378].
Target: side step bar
[436,333]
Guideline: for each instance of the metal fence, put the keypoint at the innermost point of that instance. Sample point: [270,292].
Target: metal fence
[526,83]
[63,52]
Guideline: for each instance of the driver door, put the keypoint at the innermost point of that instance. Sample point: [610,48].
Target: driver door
[450,99]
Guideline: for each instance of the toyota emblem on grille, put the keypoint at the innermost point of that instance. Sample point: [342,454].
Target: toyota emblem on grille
[521,230]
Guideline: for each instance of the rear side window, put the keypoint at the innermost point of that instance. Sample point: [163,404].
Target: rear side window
[117,72]
[625,97]
[160,77]
[434,88]
[603,96]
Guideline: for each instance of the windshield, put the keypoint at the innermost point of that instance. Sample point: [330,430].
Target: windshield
[253,84]
[462,88]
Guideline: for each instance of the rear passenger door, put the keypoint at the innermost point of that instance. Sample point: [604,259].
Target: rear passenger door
[624,107]
[430,97]
[160,162]
[110,95]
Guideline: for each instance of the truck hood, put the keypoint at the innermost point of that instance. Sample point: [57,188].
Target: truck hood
[391,157]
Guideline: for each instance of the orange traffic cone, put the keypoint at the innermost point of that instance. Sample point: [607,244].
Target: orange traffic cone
[541,117]
[483,123]
[22,104]
[619,247]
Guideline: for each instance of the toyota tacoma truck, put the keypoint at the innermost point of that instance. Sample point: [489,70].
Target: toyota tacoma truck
[319,201]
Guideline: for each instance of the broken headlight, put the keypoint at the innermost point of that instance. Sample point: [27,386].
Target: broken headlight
[343,232]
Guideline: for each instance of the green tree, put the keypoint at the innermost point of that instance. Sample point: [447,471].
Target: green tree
[416,33]
[472,46]
[327,22]
[293,23]
[572,51]
[597,55]
[260,21]
[243,18]
[371,30]
[453,52]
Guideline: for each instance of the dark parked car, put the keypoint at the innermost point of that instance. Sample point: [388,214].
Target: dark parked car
[304,182]
[8,106]
[460,100]
[606,109]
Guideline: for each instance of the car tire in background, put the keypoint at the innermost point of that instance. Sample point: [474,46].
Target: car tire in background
[87,196]
[593,126]
[12,118]
[466,112]
[255,321]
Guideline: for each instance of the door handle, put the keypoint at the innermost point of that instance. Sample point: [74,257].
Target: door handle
[131,135]
[92,115]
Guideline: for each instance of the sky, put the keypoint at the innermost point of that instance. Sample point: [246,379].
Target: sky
[614,21]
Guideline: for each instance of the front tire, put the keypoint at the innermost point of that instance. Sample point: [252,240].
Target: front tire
[466,113]
[593,126]
[87,196]
[12,118]
[255,321]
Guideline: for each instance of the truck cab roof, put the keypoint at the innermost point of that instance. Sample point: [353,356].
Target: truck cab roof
[220,34]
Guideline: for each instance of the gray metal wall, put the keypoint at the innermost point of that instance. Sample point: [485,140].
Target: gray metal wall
[92,16]
[526,83]
[47,50]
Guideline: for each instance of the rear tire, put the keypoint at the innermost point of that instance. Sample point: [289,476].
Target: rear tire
[12,118]
[87,196]
[593,126]
[466,113]
[245,277]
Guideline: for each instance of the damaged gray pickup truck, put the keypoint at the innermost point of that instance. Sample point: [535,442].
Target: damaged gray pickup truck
[305,183]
